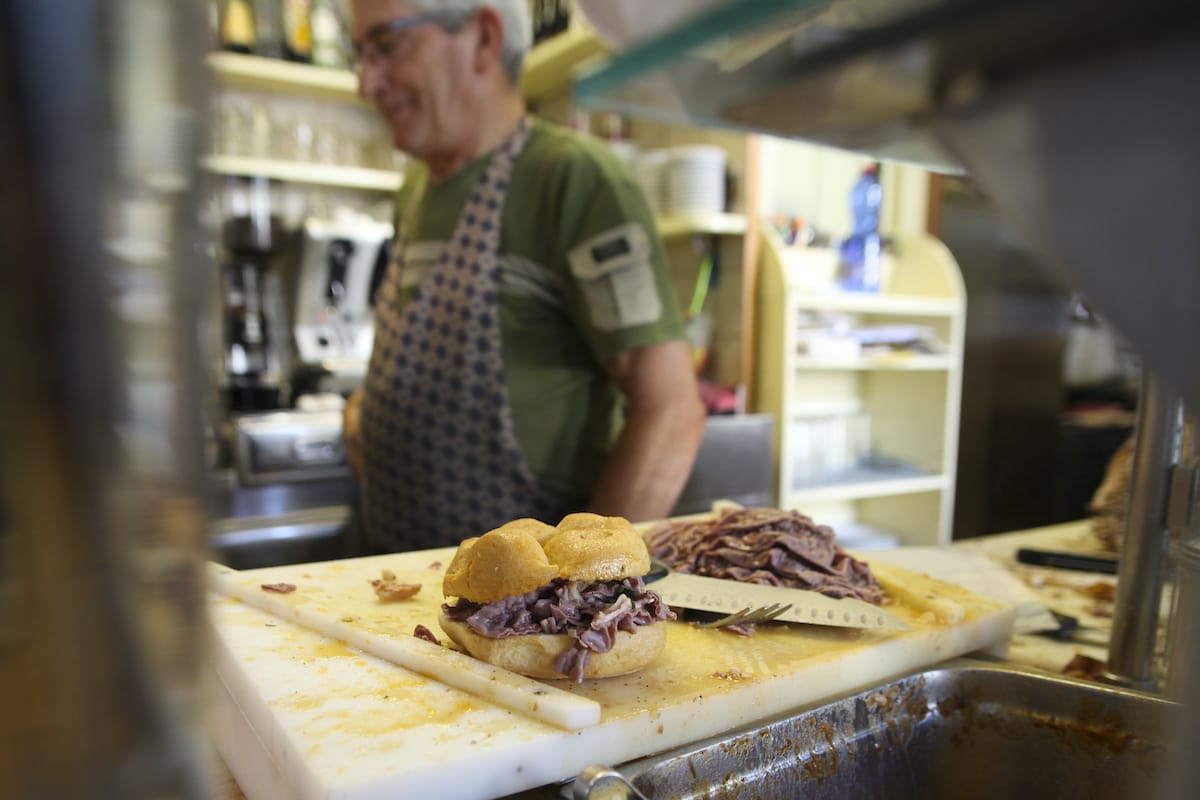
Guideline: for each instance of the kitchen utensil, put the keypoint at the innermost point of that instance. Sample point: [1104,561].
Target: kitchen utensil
[1069,630]
[702,593]
[747,616]
[1076,561]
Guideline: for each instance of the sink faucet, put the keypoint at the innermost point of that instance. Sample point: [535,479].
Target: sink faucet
[1145,544]
[1163,517]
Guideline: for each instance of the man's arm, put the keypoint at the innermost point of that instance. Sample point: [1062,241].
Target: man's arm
[351,438]
[655,450]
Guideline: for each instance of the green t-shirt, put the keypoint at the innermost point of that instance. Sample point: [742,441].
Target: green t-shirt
[583,277]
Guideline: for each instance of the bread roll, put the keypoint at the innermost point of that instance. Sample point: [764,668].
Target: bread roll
[589,547]
[522,556]
[503,562]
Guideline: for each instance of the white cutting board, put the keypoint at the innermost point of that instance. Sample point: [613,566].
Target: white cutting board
[297,714]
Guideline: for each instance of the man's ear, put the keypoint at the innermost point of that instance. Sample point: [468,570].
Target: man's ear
[489,44]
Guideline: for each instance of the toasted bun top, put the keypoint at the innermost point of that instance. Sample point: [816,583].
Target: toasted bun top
[589,547]
[522,555]
[506,561]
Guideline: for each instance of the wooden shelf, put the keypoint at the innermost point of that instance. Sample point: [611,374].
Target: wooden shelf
[313,174]
[861,484]
[548,69]
[550,64]
[900,305]
[239,71]
[687,224]
[899,361]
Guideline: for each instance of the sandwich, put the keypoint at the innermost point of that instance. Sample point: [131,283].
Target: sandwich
[565,601]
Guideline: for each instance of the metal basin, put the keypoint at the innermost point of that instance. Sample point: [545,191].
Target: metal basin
[969,729]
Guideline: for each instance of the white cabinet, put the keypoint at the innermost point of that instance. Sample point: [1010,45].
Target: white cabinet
[866,439]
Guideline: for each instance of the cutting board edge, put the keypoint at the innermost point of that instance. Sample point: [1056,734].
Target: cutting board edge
[687,721]
[536,700]
[257,734]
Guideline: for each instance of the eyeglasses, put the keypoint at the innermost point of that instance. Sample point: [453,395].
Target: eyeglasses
[394,38]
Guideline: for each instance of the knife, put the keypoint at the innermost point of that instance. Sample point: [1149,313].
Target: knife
[701,593]
[1084,563]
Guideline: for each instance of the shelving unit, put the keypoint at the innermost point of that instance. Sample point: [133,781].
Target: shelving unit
[334,175]
[550,65]
[898,362]
[548,70]
[674,225]
[904,492]
[237,71]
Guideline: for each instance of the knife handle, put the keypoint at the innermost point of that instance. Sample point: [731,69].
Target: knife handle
[1047,558]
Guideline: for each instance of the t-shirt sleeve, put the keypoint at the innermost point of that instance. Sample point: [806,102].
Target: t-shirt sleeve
[617,283]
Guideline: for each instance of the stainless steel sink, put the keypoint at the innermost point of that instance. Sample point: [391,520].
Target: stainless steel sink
[970,729]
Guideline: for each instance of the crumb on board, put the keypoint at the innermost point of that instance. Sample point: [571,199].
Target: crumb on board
[1085,667]
[279,588]
[388,589]
[421,632]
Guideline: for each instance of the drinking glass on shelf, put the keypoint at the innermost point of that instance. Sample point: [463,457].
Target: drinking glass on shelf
[325,135]
[349,143]
[260,131]
[294,133]
[233,126]
[302,139]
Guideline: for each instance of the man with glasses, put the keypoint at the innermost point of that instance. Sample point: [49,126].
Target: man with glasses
[529,356]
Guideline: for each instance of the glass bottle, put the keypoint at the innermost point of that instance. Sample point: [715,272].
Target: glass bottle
[862,252]
[328,44]
[267,23]
[297,31]
[237,27]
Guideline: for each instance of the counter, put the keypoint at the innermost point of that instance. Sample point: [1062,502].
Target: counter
[1066,592]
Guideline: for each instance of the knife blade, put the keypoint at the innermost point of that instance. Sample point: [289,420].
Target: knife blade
[701,593]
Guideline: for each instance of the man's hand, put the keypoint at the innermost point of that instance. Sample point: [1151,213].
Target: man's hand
[351,438]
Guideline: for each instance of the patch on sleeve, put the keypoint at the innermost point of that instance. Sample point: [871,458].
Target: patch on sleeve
[615,274]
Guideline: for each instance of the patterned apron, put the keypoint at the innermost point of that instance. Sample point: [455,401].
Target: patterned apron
[441,459]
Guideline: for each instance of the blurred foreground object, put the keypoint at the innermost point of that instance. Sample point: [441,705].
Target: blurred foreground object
[101,534]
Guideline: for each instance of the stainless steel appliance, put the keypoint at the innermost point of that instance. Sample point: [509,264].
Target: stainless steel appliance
[341,264]
[288,497]
[253,238]
[283,493]
[289,446]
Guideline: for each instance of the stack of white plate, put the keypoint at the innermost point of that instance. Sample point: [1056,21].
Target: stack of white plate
[694,179]
[650,168]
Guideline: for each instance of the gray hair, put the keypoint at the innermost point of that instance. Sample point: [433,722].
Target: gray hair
[518,33]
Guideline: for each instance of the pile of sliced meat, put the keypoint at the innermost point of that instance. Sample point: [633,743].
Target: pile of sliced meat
[758,545]
[590,612]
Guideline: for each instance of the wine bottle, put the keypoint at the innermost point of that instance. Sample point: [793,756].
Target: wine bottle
[267,28]
[297,31]
[237,27]
[328,45]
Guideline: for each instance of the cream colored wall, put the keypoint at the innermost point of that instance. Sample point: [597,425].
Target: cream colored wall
[812,181]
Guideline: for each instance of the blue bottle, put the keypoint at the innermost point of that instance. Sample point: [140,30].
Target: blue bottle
[862,252]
